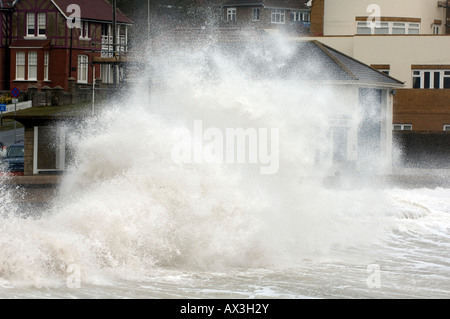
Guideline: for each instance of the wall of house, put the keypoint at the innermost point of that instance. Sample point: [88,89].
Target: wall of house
[339,16]
[244,20]
[358,121]
[426,109]
[64,47]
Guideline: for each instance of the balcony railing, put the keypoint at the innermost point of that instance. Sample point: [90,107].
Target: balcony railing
[108,46]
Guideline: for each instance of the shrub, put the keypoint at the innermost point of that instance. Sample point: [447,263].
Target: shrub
[6,99]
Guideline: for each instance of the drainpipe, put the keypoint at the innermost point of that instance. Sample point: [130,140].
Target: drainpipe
[114,43]
[70,55]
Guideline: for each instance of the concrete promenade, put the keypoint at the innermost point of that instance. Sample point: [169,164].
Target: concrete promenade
[38,189]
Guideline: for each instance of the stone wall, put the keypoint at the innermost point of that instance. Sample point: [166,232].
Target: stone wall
[56,96]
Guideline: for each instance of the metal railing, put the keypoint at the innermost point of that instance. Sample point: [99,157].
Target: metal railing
[107,50]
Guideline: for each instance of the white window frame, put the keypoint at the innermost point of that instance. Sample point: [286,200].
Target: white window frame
[31,24]
[436,28]
[42,24]
[32,66]
[46,65]
[84,31]
[422,74]
[278,16]
[387,27]
[299,16]
[231,14]
[446,128]
[20,62]
[83,68]
[402,127]
[256,14]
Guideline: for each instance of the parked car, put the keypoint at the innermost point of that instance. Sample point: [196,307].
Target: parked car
[13,163]
[3,150]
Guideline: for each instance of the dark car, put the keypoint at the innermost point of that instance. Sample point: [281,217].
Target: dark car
[13,163]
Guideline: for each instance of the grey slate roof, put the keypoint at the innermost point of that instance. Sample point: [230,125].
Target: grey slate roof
[262,56]
[279,4]
[356,70]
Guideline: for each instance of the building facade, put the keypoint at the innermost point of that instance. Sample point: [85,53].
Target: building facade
[287,15]
[407,39]
[48,42]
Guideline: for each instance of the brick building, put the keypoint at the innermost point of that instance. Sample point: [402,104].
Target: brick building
[44,43]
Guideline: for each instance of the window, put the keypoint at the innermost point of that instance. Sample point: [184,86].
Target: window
[46,60]
[431,79]
[231,14]
[31,24]
[84,32]
[83,64]
[414,28]
[20,66]
[446,80]
[398,28]
[363,28]
[300,16]
[306,17]
[255,14]
[447,128]
[417,80]
[382,28]
[42,24]
[436,29]
[32,66]
[277,16]
[387,27]
[402,127]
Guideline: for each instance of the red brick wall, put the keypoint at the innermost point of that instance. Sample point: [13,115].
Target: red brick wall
[427,110]
[317,17]
[59,64]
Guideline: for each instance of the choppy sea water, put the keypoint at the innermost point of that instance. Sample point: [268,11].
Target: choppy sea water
[411,261]
[130,222]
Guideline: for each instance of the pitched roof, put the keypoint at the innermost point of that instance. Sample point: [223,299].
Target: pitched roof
[279,4]
[308,61]
[98,10]
[260,54]
[356,70]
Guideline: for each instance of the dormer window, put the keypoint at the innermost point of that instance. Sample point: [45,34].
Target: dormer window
[31,24]
[84,32]
[40,31]
[42,24]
